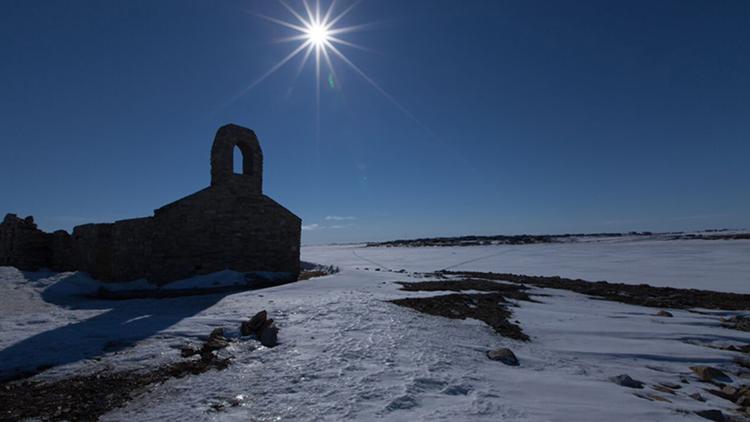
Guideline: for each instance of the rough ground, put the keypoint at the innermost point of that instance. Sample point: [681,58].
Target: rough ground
[86,397]
[346,352]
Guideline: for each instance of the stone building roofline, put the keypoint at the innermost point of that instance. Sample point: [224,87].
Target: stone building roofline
[222,160]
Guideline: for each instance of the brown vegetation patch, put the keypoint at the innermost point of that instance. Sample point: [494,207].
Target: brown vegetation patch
[512,291]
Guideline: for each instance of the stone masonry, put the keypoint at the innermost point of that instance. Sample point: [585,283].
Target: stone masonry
[228,225]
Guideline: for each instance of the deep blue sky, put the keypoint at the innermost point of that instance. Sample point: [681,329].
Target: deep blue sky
[535,116]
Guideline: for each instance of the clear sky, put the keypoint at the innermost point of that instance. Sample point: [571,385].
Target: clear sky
[515,116]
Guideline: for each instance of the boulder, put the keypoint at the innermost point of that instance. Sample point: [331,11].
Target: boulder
[269,335]
[664,313]
[709,373]
[625,381]
[256,323]
[503,355]
[216,341]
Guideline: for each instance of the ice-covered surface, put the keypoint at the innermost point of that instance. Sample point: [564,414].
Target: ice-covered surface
[346,353]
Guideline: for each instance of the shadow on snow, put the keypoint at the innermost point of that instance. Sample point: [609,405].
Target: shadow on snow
[122,324]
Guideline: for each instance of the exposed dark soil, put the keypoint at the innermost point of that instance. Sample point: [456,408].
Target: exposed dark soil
[640,294]
[513,291]
[492,308]
[86,397]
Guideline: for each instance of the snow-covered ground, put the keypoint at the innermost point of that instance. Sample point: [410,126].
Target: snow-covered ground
[346,353]
[720,265]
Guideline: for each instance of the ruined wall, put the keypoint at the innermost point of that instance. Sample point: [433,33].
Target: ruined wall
[112,251]
[229,225]
[206,232]
[22,244]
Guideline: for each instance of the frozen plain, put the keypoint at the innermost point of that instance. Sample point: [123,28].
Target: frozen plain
[346,353]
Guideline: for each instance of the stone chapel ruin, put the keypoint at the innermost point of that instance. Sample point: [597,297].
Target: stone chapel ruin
[228,225]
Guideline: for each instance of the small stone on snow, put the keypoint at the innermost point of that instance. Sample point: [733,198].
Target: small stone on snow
[625,381]
[503,355]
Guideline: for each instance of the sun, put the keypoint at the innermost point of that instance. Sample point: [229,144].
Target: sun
[318,35]
[317,32]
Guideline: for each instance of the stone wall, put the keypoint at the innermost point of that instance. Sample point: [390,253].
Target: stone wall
[22,244]
[203,233]
[229,225]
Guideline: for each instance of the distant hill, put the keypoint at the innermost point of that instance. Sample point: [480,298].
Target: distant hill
[527,239]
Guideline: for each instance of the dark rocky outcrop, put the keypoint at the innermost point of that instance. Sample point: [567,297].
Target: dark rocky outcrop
[228,225]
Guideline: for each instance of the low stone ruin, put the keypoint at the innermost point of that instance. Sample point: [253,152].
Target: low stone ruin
[229,225]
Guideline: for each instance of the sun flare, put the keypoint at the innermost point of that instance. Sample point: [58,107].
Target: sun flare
[319,34]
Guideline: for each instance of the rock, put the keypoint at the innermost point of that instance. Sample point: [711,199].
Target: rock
[737,322]
[269,335]
[709,373]
[664,313]
[743,401]
[215,343]
[663,389]
[723,393]
[730,391]
[187,351]
[659,398]
[503,355]
[255,324]
[712,414]
[625,381]
[643,396]
[697,396]
[670,385]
